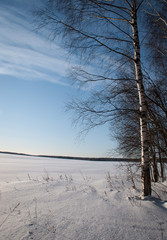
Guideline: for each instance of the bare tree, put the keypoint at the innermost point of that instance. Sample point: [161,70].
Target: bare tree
[156,38]
[106,33]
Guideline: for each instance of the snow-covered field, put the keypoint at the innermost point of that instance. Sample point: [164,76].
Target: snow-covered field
[57,199]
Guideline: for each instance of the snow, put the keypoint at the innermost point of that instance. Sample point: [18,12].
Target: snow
[58,199]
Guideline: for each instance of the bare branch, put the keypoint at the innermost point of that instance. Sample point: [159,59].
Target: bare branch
[88,36]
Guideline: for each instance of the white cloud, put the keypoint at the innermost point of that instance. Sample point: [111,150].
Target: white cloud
[25,54]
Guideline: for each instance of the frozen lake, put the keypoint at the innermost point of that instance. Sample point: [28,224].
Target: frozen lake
[13,167]
[61,199]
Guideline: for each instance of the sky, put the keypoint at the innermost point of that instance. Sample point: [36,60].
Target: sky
[34,91]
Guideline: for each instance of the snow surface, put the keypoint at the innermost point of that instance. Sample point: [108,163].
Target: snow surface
[58,199]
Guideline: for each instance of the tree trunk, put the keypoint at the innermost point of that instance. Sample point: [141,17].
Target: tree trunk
[153,154]
[155,168]
[145,163]
[160,158]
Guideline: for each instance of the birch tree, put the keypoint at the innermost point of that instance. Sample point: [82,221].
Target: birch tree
[106,33]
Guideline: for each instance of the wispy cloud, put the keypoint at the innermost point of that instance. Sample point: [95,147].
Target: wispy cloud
[25,54]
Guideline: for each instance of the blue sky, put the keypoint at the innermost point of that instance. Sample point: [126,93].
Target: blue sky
[34,90]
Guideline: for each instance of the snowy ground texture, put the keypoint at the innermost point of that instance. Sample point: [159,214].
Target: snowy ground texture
[57,199]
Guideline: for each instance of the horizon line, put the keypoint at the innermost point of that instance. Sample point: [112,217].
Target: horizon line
[74,157]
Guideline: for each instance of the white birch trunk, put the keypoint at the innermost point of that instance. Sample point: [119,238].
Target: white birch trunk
[145,163]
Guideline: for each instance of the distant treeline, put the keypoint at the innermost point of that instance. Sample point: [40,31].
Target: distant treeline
[106,159]
[74,158]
